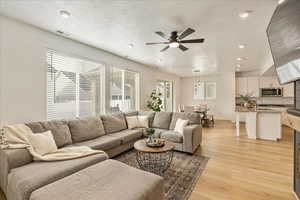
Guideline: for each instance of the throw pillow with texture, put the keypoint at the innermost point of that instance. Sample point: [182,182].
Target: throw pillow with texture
[43,143]
[132,122]
[143,121]
[180,124]
[137,122]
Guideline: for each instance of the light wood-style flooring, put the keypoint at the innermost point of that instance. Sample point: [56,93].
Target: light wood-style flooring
[243,169]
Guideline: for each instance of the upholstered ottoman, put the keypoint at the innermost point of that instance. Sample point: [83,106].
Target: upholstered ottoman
[108,180]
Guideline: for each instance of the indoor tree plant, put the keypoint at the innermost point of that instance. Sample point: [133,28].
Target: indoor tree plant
[155,102]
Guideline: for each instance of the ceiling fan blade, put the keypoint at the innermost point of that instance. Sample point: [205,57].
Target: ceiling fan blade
[161,34]
[183,48]
[185,33]
[164,49]
[151,43]
[192,41]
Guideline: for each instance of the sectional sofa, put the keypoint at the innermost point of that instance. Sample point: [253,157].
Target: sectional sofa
[21,178]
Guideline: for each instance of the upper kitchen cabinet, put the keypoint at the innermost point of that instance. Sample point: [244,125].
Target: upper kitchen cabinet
[241,86]
[247,85]
[269,82]
[253,86]
[288,90]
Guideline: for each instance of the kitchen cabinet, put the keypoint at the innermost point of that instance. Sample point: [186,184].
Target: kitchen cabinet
[253,86]
[247,85]
[241,86]
[288,90]
[269,82]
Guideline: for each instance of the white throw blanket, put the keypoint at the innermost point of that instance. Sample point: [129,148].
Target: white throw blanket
[17,136]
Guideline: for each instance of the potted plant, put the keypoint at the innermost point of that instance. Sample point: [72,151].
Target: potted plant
[149,134]
[155,102]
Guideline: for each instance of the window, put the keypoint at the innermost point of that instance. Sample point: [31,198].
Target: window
[124,90]
[74,87]
[166,89]
[204,90]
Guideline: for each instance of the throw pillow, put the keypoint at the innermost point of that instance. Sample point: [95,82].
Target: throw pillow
[132,122]
[137,122]
[143,121]
[180,124]
[43,143]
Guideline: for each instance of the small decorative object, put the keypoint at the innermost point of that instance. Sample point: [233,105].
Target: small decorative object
[155,103]
[156,142]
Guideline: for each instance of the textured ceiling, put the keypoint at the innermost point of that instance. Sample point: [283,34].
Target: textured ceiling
[113,24]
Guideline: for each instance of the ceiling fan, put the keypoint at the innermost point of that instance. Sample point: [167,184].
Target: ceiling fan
[175,40]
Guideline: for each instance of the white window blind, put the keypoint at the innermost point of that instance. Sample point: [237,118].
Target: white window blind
[74,87]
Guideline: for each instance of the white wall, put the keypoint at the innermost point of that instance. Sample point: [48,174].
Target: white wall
[23,70]
[224,105]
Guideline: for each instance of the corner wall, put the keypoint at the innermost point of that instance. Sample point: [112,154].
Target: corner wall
[23,68]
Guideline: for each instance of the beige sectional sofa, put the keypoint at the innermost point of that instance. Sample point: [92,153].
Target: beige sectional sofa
[21,178]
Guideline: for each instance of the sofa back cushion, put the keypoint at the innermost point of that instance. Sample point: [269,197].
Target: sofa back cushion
[59,129]
[162,120]
[86,129]
[194,118]
[149,114]
[114,123]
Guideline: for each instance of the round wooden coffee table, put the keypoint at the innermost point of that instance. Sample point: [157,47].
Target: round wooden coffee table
[154,159]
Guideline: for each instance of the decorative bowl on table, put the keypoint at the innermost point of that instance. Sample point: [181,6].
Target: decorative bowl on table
[156,142]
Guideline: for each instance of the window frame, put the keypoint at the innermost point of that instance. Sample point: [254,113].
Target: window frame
[102,68]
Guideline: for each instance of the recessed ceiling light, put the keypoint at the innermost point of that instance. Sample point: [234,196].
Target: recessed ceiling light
[298,48]
[238,70]
[240,59]
[242,46]
[281,1]
[130,45]
[238,65]
[64,14]
[245,14]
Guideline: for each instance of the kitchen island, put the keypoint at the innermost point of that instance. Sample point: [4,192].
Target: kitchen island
[260,123]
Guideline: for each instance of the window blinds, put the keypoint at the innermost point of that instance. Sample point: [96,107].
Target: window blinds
[73,87]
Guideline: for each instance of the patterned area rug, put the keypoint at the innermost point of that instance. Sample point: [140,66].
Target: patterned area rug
[180,178]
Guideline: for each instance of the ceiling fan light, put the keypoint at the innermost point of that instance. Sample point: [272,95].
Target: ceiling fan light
[174,44]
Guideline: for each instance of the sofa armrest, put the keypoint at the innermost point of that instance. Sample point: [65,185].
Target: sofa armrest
[10,159]
[192,137]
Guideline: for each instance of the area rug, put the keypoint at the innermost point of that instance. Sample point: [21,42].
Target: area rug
[180,178]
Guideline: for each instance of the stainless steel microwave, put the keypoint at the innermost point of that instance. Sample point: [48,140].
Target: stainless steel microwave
[271,92]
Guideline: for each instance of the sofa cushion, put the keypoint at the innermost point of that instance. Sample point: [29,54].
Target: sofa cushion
[10,159]
[162,120]
[194,118]
[24,180]
[158,132]
[59,129]
[86,129]
[131,113]
[114,123]
[150,115]
[101,143]
[108,180]
[128,135]
[172,136]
